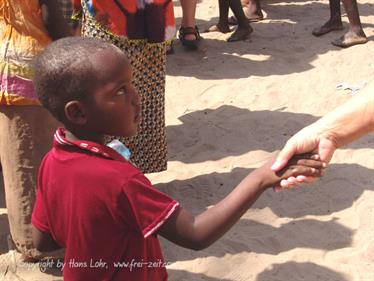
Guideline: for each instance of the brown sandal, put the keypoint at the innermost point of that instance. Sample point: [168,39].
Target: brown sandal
[190,44]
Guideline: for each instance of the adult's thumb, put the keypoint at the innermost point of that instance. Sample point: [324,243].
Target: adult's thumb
[326,149]
[283,157]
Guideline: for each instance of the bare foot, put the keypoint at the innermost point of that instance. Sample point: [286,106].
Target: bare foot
[240,34]
[350,39]
[327,27]
[219,28]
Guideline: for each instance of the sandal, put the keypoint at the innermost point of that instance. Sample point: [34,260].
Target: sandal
[190,44]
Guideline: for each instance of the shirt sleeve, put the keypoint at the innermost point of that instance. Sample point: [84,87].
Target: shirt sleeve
[39,216]
[148,207]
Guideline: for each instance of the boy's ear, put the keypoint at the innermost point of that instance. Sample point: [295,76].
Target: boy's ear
[75,112]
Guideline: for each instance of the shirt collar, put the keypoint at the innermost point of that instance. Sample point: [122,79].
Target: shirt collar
[60,140]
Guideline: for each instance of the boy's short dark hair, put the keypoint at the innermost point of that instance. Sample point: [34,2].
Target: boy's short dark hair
[63,72]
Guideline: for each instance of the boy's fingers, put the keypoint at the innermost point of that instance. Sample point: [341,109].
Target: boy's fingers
[305,171]
[296,170]
[309,163]
[293,171]
[312,156]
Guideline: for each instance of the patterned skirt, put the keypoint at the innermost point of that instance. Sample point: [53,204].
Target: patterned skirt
[148,62]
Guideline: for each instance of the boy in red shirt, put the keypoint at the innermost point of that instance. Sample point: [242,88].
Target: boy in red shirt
[94,202]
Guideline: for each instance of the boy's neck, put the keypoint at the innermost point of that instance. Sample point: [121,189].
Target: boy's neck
[75,136]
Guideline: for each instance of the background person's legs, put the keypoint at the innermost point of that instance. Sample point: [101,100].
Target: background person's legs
[252,10]
[335,21]
[188,16]
[26,134]
[188,33]
[355,34]
[244,29]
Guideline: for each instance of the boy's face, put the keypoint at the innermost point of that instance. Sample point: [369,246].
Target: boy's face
[114,108]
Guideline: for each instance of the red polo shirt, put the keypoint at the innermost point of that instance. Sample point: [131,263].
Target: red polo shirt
[103,210]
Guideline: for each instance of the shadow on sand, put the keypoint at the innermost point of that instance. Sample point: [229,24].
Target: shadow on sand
[338,190]
[230,127]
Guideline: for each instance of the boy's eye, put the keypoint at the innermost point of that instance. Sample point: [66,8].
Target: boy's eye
[121,92]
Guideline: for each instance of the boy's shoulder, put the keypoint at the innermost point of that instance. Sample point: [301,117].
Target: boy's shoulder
[77,161]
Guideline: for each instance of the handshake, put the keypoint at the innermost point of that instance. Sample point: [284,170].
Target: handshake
[300,168]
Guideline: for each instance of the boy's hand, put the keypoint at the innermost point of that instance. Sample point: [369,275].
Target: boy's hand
[303,164]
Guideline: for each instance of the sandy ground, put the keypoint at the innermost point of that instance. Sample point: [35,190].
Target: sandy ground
[229,107]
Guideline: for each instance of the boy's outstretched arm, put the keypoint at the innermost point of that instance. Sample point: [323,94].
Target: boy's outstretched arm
[43,241]
[201,231]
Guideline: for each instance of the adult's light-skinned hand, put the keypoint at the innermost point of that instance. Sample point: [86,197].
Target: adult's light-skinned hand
[348,122]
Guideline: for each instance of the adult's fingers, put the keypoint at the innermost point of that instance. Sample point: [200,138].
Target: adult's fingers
[306,179]
[296,181]
[289,183]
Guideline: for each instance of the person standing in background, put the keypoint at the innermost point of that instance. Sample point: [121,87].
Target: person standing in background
[140,29]
[26,27]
